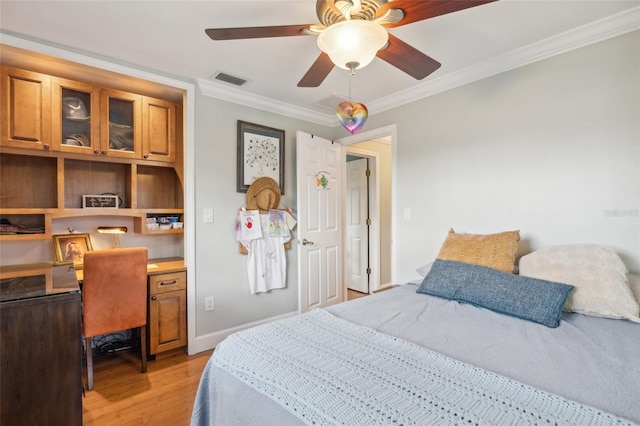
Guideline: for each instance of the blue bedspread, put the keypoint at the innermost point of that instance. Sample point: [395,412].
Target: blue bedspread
[326,370]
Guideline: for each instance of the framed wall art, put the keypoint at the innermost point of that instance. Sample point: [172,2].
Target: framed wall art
[72,247]
[260,154]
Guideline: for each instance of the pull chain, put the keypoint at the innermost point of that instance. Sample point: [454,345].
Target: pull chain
[352,67]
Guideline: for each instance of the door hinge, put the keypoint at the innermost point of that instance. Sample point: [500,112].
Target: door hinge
[368,222]
[367,173]
[368,271]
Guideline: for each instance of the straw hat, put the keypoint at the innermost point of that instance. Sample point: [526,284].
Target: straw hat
[263,194]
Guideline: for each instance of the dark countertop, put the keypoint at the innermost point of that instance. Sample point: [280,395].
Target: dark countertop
[37,280]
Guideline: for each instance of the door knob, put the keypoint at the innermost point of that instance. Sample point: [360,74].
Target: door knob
[305,242]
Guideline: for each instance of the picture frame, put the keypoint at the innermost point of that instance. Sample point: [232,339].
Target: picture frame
[260,154]
[72,247]
[103,201]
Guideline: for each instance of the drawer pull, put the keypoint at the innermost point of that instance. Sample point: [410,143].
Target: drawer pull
[172,282]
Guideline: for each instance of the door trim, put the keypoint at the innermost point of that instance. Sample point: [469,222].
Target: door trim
[386,131]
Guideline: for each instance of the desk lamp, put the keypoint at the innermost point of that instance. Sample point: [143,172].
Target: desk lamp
[115,232]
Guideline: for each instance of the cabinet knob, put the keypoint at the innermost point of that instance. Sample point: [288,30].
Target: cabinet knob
[104,153]
[96,151]
[145,156]
[46,146]
[153,297]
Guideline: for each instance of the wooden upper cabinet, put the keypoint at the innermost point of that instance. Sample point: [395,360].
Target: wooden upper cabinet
[76,117]
[49,113]
[25,113]
[121,124]
[158,131]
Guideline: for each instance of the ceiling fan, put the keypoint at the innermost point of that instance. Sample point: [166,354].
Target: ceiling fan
[370,18]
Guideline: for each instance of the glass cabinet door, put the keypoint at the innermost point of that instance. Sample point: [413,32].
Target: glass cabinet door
[121,124]
[76,118]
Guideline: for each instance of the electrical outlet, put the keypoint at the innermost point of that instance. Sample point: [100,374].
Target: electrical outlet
[209,303]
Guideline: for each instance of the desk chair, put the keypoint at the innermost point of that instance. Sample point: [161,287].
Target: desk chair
[114,297]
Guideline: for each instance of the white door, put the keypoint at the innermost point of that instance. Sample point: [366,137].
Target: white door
[357,213]
[319,181]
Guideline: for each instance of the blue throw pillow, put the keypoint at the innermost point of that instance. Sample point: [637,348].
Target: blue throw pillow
[522,297]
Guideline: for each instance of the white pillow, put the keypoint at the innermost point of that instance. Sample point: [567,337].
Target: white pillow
[597,273]
[634,285]
[424,269]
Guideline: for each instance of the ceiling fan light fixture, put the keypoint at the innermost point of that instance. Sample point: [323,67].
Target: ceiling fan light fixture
[352,41]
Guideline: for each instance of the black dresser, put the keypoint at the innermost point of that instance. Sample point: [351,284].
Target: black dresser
[40,345]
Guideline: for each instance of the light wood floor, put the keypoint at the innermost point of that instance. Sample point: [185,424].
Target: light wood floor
[123,396]
[352,294]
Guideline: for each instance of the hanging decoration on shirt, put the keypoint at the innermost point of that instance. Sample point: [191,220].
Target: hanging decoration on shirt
[291,221]
[250,227]
[278,223]
[323,179]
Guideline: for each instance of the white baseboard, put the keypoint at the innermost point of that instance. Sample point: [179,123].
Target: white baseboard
[210,341]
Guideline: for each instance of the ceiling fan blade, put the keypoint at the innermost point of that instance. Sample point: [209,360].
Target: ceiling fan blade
[318,72]
[256,32]
[424,9]
[408,59]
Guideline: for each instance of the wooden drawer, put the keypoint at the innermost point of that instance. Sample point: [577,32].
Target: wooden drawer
[164,283]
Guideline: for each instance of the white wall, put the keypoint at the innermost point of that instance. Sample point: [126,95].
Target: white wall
[220,270]
[551,149]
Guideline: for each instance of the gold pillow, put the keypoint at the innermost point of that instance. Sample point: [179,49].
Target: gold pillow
[497,251]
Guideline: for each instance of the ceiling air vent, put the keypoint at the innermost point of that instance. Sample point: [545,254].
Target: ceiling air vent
[331,102]
[230,79]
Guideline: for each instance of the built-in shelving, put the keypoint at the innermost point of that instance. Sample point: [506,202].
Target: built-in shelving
[45,169]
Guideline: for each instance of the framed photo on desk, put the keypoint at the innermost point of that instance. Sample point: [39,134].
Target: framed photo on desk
[72,247]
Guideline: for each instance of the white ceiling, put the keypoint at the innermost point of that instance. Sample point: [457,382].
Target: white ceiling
[167,37]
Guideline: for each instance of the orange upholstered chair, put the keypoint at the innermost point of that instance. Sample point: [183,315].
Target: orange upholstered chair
[114,297]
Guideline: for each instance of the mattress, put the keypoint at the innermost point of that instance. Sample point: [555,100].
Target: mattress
[589,360]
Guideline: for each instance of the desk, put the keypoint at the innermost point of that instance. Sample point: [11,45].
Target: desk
[167,304]
[158,266]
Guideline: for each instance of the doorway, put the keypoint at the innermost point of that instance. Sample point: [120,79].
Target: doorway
[377,147]
[356,250]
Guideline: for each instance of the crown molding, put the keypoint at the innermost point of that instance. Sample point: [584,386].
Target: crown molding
[230,94]
[603,29]
[600,30]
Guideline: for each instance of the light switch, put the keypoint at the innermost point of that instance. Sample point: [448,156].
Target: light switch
[406,214]
[207,215]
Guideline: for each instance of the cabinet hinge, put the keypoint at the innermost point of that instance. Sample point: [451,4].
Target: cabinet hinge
[368,271]
[367,173]
[368,222]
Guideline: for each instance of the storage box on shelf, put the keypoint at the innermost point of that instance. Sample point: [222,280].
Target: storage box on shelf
[62,139]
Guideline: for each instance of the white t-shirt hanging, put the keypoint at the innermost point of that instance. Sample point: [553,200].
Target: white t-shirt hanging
[266,260]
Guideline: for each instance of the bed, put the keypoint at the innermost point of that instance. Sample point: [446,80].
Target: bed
[405,356]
